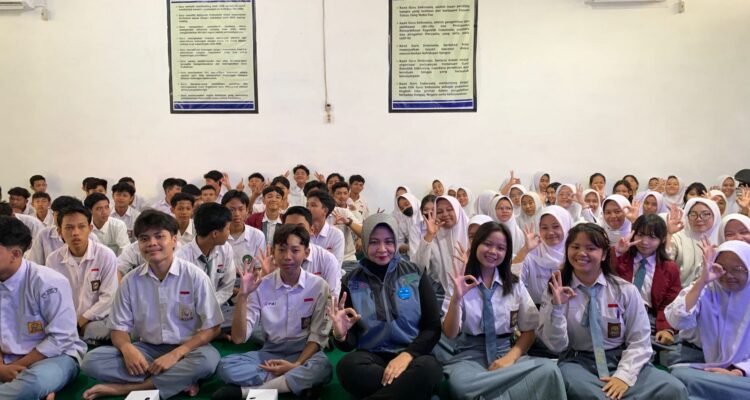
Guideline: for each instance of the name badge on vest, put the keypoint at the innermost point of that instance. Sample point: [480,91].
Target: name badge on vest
[613,330]
[404,293]
[95,285]
[35,327]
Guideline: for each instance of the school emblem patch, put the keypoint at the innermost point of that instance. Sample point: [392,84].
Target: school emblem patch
[35,327]
[95,285]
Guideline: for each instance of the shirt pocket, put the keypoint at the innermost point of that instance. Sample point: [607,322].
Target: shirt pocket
[506,316]
[185,307]
[612,322]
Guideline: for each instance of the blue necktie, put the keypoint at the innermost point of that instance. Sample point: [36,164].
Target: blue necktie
[591,318]
[640,275]
[488,320]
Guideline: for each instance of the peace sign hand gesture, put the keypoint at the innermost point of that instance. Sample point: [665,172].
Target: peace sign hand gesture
[267,264]
[624,244]
[342,317]
[432,225]
[320,176]
[560,294]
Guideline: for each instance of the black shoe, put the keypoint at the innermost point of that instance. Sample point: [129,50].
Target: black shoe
[310,394]
[230,392]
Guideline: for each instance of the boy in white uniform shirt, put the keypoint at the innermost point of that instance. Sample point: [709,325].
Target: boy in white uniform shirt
[209,194]
[245,240]
[18,198]
[170,305]
[291,304]
[48,239]
[139,203]
[91,269]
[321,205]
[38,184]
[111,232]
[171,187]
[34,225]
[211,252]
[348,221]
[38,338]
[182,210]
[40,201]
[215,179]
[255,183]
[123,195]
[356,186]
[296,191]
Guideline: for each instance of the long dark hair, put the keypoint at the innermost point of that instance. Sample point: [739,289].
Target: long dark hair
[698,187]
[598,236]
[627,186]
[474,268]
[654,226]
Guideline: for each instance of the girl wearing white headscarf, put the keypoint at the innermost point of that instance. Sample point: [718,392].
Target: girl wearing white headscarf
[674,191]
[514,194]
[735,227]
[531,205]
[412,222]
[402,234]
[652,203]
[545,252]
[503,213]
[614,221]
[465,200]
[447,228]
[592,206]
[482,205]
[715,306]
[700,219]
[728,186]
[539,183]
[565,198]
[474,223]
[720,199]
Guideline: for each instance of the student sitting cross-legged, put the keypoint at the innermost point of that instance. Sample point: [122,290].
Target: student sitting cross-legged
[38,338]
[291,304]
[170,305]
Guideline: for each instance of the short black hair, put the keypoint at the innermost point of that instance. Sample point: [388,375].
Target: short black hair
[178,197]
[19,191]
[256,175]
[314,185]
[554,185]
[297,210]
[86,180]
[91,200]
[302,167]
[337,175]
[430,198]
[356,178]
[127,179]
[191,190]
[41,195]
[211,217]
[325,199]
[282,180]
[282,233]
[594,175]
[95,183]
[235,194]
[150,219]
[213,174]
[121,187]
[6,209]
[654,226]
[273,188]
[14,233]
[35,178]
[697,186]
[169,183]
[73,209]
[339,185]
[63,202]
[208,187]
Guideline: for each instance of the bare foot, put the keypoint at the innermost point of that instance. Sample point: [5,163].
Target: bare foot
[105,389]
[192,390]
[50,396]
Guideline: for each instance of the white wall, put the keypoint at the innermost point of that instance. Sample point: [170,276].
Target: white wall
[562,87]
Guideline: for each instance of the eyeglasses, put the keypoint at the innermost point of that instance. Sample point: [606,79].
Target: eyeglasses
[705,215]
[736,271]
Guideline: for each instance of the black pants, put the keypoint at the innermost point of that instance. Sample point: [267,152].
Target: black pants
[361,372]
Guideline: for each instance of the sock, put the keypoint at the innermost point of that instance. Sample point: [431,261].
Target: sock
[278,383]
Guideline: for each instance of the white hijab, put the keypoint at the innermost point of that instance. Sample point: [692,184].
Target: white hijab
[574,209]
[517,209]
[712,193]
[732,206]
[732,217]
[525,220]
[535,182]
[713,232]
[723,322]
[446,240]
[516,233]
[661,207]
[469,209]
[482,204]
[623,231]
[676,198]
[413,224]
[400,217]
[547,256]
[593,216]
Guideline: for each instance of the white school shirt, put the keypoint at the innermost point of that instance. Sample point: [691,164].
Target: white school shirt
[93,281]
[323,264]
[113,234]
[361,205]
[270,226]
[163,206]
[296,196]
[49,220]
[349,235]
[139,203]
[36,312]
[688,255]
[187,236]
[511,311]
[222,270]
[131,258]
[246,244]
[648,281]
[47,241]
[169,311]
[290,313]
[31,222]
[131,214]
[561,328]
[535,278]
[29,210]
[331,239]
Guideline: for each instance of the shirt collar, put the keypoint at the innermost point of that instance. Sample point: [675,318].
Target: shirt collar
[14,281]
[495,280]
[174,269]
[104,227]
[575,282]
[277,220]
[325,230]
[89,255]
[650,261]
[278,283]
